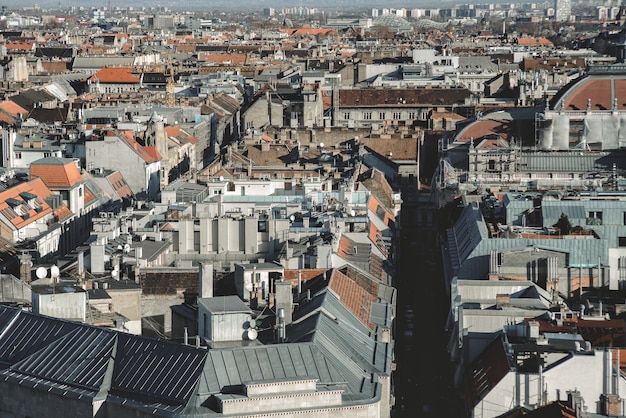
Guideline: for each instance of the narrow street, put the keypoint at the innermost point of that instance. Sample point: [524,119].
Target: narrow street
[423,374]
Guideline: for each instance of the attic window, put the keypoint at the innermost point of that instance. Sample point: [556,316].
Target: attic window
[14,202]
[27,196]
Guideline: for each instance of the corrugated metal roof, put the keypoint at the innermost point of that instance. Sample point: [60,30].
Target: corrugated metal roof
[162,371]
[553,210]
[80,358]
[25,334]
[571,162]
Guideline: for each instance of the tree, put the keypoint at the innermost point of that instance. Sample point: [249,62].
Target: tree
[564,225]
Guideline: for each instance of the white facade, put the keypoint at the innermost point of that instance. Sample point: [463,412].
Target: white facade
[587,373]
[112,153]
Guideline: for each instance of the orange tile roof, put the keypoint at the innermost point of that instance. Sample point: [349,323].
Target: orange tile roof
[598,92]
[153,153]
[148,154]
[62,213]
[18,220]
[115,75]
[56,173]
[185,48]
[89,196]
[23,46]
[12,108]
[534,41]
[482,128]
[306,274]
[178,133]
[119,185]
[354,297]
[235,59]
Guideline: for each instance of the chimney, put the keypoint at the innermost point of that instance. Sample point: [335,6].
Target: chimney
[25,267]
[503,300]
[299,282]
[205,285]
[81,263]
[284,299]
[280,325]
[533,330]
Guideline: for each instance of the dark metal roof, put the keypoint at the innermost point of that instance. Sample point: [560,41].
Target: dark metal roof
[80,358]
[156,371]
[24,334]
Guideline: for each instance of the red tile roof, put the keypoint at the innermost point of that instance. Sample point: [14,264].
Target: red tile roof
[306,274]
[403,97]
[534,42]
[119,185]
[148,154]
[15,216]
[235,59]
[89,196]
[12,108]
[598,91]
[482,128]
[56,173]
[115,75]
[354,297]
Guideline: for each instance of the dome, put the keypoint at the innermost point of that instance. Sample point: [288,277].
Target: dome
[393,22]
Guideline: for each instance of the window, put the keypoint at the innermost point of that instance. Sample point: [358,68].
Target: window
[80,191]
[381,115]
[367,115]
[262,225]
[594,218]
[18,155]
[411,115]
[492,165]
[346,115]
[396,115]
[47,154]
[621,241]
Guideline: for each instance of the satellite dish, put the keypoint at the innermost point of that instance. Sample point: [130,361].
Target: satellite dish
[251,334]
[321,145]
[54,272]
[252,323]
[41,272]
[292,218]
[126,248]
[352,213]
[114,274]
[221,178]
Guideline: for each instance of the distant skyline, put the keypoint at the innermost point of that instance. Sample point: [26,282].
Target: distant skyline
[240,5]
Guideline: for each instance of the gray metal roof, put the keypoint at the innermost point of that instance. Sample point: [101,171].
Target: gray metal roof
[156,371]
[79,358]
[571,162]
[224,304]
[330,345]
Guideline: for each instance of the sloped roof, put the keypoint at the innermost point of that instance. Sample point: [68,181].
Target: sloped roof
[404,149]
[357,299]
[162,377]
[403,97]
[56,172]
[148,154]
[486,372]
[13,207]
[119,185]
[116,75]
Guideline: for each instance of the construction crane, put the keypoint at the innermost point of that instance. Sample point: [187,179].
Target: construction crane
[170,97]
